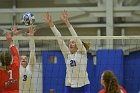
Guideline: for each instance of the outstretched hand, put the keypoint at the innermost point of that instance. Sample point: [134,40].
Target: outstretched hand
[48,19]
[15,30]
[9,38]
[31,31]
[64,18]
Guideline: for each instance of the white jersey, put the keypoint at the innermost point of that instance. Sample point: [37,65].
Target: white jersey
[76,73]
[25,80]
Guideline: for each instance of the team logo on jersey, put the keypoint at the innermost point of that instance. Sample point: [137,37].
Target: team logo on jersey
[72,63]
[10,82]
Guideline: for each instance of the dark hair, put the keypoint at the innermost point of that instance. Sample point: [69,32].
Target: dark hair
[5,57]
[110,82]
[86,45]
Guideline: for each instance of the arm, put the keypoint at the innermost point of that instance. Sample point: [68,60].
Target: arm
[32,58]
[61,42]
[79,44]
[13,49]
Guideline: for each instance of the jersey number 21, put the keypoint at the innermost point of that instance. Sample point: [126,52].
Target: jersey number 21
[72,63]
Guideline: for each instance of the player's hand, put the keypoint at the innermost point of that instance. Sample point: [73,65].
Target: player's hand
[64,18]
[32,30]
[15,30]
[9,38]
[48,19]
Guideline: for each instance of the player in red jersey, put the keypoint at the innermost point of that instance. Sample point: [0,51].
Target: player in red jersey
[9,71]
[110,83]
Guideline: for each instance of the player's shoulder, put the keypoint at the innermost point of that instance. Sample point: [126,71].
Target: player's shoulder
[102,91]
[1,70]
[122,89]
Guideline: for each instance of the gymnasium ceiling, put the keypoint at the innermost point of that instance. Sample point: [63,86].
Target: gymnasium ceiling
[58,3]
[83,13]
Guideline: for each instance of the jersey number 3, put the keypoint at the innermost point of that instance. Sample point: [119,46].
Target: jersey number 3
[72,63]
[25,78]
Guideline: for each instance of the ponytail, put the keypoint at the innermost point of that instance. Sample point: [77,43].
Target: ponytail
[86,45]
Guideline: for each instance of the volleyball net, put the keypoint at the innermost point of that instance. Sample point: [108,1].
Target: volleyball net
[117,53]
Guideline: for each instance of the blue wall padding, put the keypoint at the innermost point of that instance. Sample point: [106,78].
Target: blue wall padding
[91,72]
[53,74]
[109,60]
[132,72]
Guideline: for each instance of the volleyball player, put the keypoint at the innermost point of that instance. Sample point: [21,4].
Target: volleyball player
[9,71]
[27,63]
[26,70]
[110,83]
[75,55]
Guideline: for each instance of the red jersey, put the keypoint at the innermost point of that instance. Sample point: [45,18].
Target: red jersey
[121,88]
[9,79]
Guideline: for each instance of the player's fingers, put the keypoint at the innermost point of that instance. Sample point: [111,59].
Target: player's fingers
[34,29]
[66,12]
[47,15]
[50,18]
[63,13]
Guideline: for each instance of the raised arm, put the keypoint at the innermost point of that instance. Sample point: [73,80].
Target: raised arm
[32,57]
[13,49]
[79,44]
[61,42]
